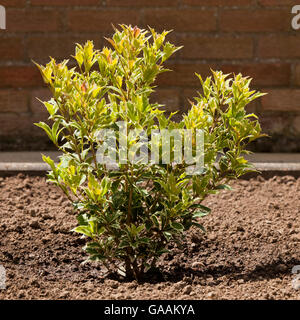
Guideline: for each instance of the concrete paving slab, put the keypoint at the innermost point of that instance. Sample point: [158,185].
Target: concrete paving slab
[27,156]
[32,161]
[35,156]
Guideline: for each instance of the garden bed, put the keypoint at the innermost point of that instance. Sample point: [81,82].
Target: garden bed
[251,245]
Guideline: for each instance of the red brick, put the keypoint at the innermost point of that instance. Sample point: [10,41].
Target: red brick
[225,47]
[100,20]
[13,101]
[296,78]
[282,100]
[255,20]
[183,75]
[17,125]
[275,124]
[218,2]
[279,46]
[141,3]
[296,125]
[11,49]
[65,2]
[35,105]
[59,47]
[13,3]
[181,20]
[254,106]
[277,3]
[32,20]
[19,77]
[189,95]
[263,74]
[167,97]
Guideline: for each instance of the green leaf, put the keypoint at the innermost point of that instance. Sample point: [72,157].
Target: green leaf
[177,226]
[85,230]
[49,161]
[198,225]
[223,187]
[46,128]
[155,220]
[167,235]
[203,208]
[199,214]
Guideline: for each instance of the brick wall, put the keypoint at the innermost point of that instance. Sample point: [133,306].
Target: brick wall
[249,36]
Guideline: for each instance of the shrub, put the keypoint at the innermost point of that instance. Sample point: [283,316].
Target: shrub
[131,210]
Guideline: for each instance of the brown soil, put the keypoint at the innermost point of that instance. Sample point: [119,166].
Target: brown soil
[251,245]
